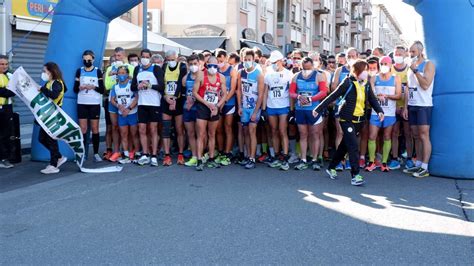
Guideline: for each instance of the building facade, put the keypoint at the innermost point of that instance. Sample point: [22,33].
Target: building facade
[386,30]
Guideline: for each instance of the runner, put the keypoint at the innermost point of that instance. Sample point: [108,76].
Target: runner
[276,103]
[6,112]
[148,81]
[189,109]
[250,84]
[126,102]
[172,106]
[210,93]
[308,87]
[388,90]
[355,91]
[54,89]
[89,86]
[227,114]
[419,106]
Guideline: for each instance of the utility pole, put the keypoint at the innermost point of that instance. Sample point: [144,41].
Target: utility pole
[145,24]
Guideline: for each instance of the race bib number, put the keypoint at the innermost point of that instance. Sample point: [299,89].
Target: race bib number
[307,95]
[124,100]
[211,97]
[171,88]
[276,92]
[383,103]
[246,87]
[411,92]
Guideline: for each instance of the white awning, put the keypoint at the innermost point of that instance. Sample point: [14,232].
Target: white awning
[129,36]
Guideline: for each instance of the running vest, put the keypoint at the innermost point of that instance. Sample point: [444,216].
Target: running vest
[308,88]
[89,97]
[343,74]
[418,96]
[189,89]
[228,80]
[249,88]
[3,86]
[148,97]
[278,88]
[172,79]
[386,87]
[124,96]
[403,74]
[210,92]
[59,99]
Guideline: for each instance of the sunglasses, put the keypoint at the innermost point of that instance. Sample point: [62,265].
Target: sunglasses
[212,66]
[331,62]
[296,58]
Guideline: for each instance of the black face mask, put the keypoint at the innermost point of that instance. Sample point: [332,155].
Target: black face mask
[87,63]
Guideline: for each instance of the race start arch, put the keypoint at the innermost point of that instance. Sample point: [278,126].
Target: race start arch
[449,41]
[77,25]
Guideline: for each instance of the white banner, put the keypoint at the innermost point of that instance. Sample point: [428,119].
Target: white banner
[52,118]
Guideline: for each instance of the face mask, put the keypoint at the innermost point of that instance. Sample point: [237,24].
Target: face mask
[87,63]
[145,61]
[407,60]
[248,64]
[134,63]
[364,75]
[172,64]
[289,62]
[384,69]
[275,67]
[44,77]
[398,59]
[221,65]
[373,73]
[307,72]
[118,63]
[351,61]
[122,78]
[339,65]
[212,70]
[194,68]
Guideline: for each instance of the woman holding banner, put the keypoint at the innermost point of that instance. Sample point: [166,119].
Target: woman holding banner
[53,89]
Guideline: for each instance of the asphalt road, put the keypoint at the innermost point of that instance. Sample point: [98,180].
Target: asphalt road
[176,215]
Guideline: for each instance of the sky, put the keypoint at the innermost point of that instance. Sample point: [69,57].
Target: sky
[410,21]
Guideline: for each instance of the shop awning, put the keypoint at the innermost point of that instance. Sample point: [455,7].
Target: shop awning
[201,43]
[266,48]
[129,36]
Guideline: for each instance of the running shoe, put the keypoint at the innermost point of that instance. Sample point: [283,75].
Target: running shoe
[244,161]
[50,170]
[378,163]
[275,164]
[61,161]
[200,165]
[316,166]
[412,170]
[225,161]
[269,160]
[115,157]
[348,165]
[218,158]
[167,161]
[302,165]
[285,166]
[332,173]
[293,159]
[107,155]
[154,161]
[205,157]
[339,167]
[124,160]
[357,180]
[262,157]
[371,167]
[362,163]
[180,159]
[384,168]
[250,165]
[212,164]
[5,164]
[97,158]
[409,164]
[421,173]
[143,160]
[192,162]
[394,165]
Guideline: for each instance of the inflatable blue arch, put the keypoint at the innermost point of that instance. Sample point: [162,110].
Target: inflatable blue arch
[449,40]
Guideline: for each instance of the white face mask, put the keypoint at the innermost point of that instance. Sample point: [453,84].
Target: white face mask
[248,64]
[398,59]
[221,65]
[351,61]
[384,69]
[145,61]
[307,72]
[44,77]
[373,73]
[363,76]
[275,67]
[407,60]
[118,63]
[194,68]
[212,70]
[134,63]
[172,64]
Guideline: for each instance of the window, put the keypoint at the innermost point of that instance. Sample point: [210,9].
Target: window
[304,18]
[308,22]
[244,4]
[264,9]
[330,31]
[323,28]
[293,13]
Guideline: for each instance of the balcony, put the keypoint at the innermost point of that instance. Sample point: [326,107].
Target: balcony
[356,26]
[356,2]
[366,34]
[317,40]
[367,9]
[342,17]
[321,7]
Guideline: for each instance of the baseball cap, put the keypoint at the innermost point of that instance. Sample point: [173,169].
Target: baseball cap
[275,56]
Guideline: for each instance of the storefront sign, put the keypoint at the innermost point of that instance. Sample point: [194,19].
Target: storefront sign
[34,8]
[203,30]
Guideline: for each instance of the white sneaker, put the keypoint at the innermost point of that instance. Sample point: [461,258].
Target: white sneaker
[143,160]
[5,164]
[293,159]
[154,161]
[97,158]
[125,160]
[50,170]
[61,161]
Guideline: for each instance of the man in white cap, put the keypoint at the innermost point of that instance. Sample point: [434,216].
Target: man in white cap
[276,105]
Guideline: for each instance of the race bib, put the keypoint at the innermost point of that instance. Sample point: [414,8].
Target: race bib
[246,87]
[306,94]
[276,92]
[411,92]
[124,100]
[171,87]
[383,103]
[211,97]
